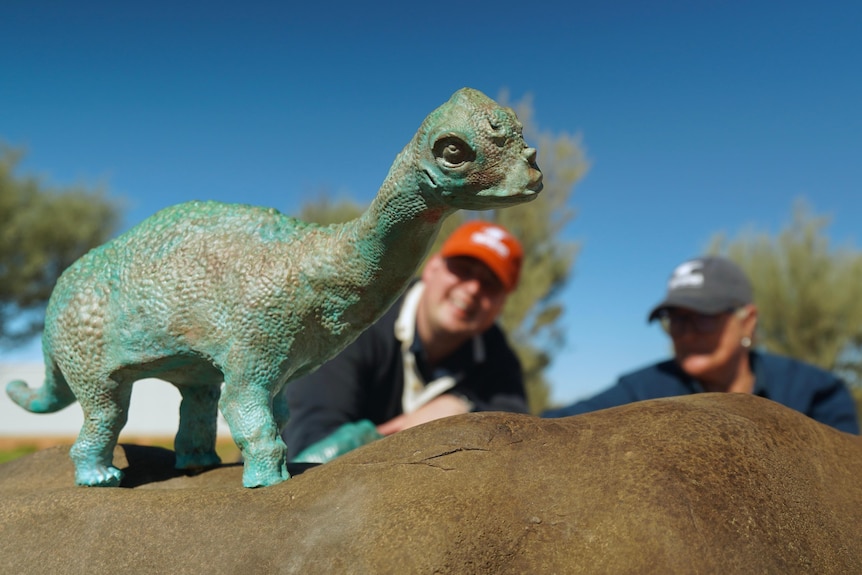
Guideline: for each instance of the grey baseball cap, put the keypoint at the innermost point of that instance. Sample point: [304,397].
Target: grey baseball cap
[708,285]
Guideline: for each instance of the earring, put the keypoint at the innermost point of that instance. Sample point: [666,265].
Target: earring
[745,342]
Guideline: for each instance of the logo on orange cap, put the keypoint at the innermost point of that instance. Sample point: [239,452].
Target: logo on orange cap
[491,244]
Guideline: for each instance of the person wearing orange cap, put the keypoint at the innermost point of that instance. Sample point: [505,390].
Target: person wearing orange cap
[437,352]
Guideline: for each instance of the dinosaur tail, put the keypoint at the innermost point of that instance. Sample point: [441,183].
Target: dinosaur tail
[53,396]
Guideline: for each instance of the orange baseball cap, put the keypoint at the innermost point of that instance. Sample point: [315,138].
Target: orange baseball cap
[491,244]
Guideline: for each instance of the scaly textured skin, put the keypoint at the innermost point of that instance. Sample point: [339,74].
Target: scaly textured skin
[203,293]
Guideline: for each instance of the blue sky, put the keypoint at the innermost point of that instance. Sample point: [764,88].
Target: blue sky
[698,117]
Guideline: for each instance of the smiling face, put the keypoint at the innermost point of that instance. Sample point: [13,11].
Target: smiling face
[462,298]
[473,155]
[708,347]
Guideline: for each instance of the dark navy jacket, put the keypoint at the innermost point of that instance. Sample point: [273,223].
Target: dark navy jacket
[817,393]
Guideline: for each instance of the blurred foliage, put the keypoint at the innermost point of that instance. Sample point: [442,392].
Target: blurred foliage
[324,210]
[807,293]
[42,231]
[16,452]
[533,313]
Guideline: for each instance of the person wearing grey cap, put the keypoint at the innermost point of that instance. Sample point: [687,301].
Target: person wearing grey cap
[710,316]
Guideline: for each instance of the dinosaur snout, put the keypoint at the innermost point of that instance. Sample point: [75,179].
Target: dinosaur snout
[535,174]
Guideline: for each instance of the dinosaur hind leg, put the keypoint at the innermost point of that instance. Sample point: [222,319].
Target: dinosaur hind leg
[106,410]
[196,438]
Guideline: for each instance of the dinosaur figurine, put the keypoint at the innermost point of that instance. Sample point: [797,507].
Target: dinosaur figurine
[205,293]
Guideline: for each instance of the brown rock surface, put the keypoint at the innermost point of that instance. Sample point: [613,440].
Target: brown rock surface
[713,483]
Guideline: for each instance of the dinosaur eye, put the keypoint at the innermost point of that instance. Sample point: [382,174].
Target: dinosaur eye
[453,152]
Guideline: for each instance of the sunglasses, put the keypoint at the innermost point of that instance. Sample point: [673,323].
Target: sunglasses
[468,269]
[676,323]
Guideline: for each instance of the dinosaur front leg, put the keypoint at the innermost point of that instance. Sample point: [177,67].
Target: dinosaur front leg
[106,409]
[196,438]
[247,406]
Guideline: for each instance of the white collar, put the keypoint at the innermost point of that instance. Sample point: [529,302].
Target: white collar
[416,391]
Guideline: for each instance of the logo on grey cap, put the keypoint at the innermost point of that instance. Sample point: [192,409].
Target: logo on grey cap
[688,274]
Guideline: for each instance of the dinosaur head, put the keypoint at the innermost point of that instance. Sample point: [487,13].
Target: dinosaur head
[472,155]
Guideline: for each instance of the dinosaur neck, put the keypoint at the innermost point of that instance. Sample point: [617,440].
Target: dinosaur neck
[396,231]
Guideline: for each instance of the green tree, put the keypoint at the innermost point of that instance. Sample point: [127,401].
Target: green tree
[324,210]
[533,312]
[807,292]
[42,231]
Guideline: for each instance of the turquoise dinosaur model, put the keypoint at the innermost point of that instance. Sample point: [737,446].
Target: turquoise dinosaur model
[205,293]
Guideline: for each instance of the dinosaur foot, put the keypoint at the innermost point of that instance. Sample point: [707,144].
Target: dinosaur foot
[98,476]
[261,476]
